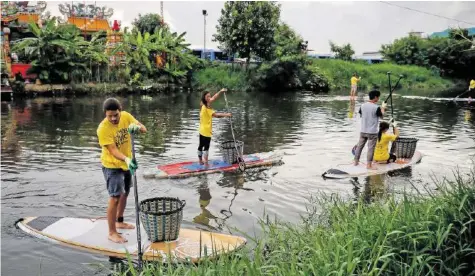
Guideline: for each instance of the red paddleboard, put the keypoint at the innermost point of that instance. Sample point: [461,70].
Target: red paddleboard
[193,168]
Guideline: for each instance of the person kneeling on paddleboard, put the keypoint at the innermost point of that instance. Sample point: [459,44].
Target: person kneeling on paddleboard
[206,124]
[117,164]
[381,152]
[370,113]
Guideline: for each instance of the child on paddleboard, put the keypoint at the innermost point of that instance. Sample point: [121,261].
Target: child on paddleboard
[370,113]
[381,152]
[206,124]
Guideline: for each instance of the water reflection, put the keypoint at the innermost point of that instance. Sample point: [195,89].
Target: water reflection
[50,159]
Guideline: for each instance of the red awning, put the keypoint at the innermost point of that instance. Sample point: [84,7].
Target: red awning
[22,68]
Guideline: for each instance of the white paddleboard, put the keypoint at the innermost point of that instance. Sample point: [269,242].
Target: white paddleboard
[91,235]
[350,170]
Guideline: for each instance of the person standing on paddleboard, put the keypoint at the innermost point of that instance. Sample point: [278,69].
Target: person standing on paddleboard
[206,124]
[370,113]
[471,87]
[381,152]
[117,164]
[354,84]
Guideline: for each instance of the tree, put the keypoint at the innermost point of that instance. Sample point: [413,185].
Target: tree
[52,50]
[148,23]
[248,28]
[287,42]
[344,52]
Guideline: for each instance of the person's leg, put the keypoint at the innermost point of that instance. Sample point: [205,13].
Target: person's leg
[392,158]
[123,202]
[372,141]
[206,144]
[359,148]
[114,187]
[200,150]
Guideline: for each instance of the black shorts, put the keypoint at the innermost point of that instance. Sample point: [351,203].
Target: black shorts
[204,143]
[392,158]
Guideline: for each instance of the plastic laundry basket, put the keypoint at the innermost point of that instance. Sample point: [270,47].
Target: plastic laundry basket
[161,218]
[230,155]
[404,147]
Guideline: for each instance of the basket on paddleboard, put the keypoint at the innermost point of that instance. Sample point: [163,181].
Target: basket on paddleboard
[404,147]
[230,155]
[161,218]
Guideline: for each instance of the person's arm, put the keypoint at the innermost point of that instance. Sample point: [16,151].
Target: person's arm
[115,152]
[380,112]
[142,128]
[215,96]
[221,115]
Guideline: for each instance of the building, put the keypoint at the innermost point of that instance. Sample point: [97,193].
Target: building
[445,33]
[14,27]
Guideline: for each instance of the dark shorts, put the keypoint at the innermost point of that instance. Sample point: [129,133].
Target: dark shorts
[204,143]
[392,158]
[118,181]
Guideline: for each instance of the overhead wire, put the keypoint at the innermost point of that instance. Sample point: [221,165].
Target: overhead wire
[428,13]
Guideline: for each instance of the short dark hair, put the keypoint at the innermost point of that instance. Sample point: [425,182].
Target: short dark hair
[373,94]
[112,104]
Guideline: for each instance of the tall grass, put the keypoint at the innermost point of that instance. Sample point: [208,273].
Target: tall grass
[416,234]
[339,73]
[220,76]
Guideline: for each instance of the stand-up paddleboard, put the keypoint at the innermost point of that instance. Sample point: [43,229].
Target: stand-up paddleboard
[193,168]
[350,170]
[91,235]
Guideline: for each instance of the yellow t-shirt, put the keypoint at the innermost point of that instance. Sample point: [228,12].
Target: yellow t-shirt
[206,121]
[354,80]
[381,152]
[109,133]
[472,84]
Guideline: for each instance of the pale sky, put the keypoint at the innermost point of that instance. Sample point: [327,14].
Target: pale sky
[364,24]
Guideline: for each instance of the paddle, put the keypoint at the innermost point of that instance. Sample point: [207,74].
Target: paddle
[242,164]
[461,94]
[137,209]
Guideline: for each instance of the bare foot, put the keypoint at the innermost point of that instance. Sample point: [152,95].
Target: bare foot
[201,163]
[123,225]
[117,238]
[356,163]
[371,168]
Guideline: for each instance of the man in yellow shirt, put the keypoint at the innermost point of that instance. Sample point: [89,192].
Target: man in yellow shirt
[117,166]
[470,88]
[354,84]
[206,124]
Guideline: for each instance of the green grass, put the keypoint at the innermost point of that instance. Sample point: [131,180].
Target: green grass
[216,77]
[417,78]
[414,234]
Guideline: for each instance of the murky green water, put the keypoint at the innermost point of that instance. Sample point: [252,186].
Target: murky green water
[50,162]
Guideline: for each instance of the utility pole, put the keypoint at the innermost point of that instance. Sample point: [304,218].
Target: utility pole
[204,36]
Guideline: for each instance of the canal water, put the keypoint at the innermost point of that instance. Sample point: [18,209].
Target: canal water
[50,162]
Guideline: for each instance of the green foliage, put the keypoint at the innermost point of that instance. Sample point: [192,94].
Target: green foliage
[339,72]
[344,52]
[148,23]
[289,73]
[287,41]
[450,56]
[217,76]
[416,234]
[53,50]
[248,28]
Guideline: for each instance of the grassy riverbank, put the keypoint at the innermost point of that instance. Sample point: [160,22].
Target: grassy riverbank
[413,234]
[339,73]
[335,73]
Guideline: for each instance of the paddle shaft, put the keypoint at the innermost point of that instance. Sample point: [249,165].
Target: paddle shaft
[232,131]
[137,209]
[461,94]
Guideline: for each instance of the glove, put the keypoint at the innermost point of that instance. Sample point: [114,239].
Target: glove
[384,105]
[131,165]
[133,128]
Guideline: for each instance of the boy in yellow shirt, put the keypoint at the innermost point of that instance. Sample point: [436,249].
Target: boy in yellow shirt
[354,84]
[117,166]
[206,124]
[381,152]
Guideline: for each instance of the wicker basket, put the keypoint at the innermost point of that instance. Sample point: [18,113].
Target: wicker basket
[404,147]
[229,151]
[161,218]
